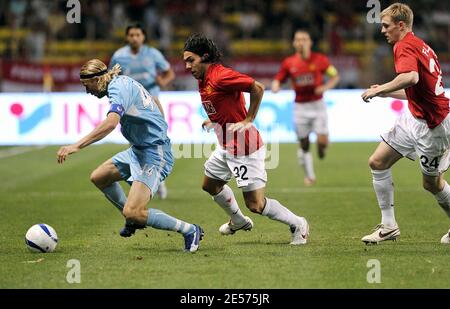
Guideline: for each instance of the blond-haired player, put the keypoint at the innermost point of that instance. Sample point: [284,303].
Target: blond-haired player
[423,130]
[148,161]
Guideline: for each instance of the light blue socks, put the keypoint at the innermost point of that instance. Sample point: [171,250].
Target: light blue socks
[114,193]
[162,221]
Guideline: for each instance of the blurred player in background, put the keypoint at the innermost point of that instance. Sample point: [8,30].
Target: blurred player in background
[306,69]
[148,161]
[423,130]
[146,65]
[240,152]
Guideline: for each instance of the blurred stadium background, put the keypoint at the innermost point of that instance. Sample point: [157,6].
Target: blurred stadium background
[255,36]
[40,54]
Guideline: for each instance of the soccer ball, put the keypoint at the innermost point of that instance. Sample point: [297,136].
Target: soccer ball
[41,238]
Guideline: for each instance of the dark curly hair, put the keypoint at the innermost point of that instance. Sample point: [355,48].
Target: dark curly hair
[136,26]
[204,47]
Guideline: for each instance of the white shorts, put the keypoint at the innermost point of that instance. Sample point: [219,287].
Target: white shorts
[310,117]
[249,171]
[411,137]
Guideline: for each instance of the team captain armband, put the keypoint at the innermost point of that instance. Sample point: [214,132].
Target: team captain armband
[116,108]
[331,71]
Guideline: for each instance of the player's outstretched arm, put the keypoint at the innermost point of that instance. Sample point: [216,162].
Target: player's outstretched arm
[399,94]
[256,94]
[158,104]
[164,78]
[102,130]
[333,80]
[276,85]
[402,81]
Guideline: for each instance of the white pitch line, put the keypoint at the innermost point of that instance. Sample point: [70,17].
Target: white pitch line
[337,190]
[14,151]
[176,192]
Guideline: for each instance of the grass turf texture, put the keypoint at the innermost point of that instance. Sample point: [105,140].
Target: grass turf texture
[341,208]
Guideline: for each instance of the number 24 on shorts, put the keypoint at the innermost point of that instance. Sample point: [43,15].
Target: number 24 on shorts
[427,163]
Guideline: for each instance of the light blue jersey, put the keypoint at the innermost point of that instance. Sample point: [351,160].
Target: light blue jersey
[142,123]
[143,66]
[149,159]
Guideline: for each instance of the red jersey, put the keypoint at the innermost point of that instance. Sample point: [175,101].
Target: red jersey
[305,74]
[426,99]
[223,100]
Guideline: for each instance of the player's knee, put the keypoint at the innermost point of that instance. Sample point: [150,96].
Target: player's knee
[131,214]
[96,178]
[127,213]
[206,188]
[431,186]
[212,190]
[376,164]
[255,206]
[304,145]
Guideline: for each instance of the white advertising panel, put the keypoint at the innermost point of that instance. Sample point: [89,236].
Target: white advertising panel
[61,118]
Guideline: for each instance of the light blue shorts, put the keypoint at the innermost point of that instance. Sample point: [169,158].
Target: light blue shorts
[149,165]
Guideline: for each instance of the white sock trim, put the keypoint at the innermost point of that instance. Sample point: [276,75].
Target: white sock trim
[266,207]
[381,174]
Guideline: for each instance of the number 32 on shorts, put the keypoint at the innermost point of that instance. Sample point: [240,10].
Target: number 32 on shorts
[429,163]
[240,172]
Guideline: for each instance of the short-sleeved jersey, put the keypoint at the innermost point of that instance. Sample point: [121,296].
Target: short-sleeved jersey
[142,67]
[222,96]
[305,75]
[141,121]
[426,99]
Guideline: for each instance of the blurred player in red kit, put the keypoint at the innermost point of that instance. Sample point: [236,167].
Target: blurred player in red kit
[306,69]
[423,130]
[240,152]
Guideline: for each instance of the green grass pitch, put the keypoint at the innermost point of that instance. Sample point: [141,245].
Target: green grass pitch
[341,208]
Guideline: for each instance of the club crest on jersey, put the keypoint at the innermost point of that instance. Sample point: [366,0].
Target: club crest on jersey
[208,89]
[312,67]
[209,107]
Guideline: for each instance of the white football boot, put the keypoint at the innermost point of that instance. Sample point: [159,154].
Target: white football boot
[446,238]
[300,232]
[381,233]
[230,228]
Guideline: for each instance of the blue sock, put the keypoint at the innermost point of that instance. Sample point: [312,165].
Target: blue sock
[114,193]
[162,221]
